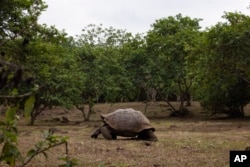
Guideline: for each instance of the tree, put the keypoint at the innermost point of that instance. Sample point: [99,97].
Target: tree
[18,23]
[37,60]
[51,58]
[169,46]
[100,58]
[134,60]
[18,27]
[224,80]
[19,18]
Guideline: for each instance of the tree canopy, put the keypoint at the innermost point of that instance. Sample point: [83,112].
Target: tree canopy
[174,58]
[225,77]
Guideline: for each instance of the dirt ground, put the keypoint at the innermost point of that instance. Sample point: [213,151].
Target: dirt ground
[194,141]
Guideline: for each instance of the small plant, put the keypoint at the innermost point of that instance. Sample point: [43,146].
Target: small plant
[10,153]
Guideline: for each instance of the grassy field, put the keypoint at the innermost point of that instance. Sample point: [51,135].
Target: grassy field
[195,141]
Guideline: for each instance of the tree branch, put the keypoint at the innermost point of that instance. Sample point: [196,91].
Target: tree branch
[245,79]
[39,151]
[9,64]
[15,96]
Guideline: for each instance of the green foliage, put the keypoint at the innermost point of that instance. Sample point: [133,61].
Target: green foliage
[68,162]
[22,76]
[50,141]
[101,57]
[169,47]
[8,138]
[19,17]
[42,67]
[35,56]
[51,58]
[224,86]
[29,106]
[10,153]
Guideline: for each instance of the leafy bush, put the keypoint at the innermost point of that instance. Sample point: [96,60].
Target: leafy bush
[229,99]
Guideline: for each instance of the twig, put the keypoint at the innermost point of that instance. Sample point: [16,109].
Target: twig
[43,150]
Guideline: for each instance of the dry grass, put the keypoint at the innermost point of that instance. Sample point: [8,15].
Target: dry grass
[194,141]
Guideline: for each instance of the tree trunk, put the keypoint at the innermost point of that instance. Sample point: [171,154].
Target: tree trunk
[237,112]
[36,111]
[86,116]
[146,107]
[170,105]
[82,108]
[181,104]
[188,99]
[89,113]
[181,107]
[32,117]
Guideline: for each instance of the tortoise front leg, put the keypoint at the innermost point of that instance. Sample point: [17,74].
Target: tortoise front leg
[96,133]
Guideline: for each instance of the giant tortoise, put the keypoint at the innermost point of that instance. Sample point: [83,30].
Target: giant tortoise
[127,123]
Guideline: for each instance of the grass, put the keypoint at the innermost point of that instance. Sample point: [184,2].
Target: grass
[193,141]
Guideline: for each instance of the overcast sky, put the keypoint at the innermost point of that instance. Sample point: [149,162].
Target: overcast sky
[135,16]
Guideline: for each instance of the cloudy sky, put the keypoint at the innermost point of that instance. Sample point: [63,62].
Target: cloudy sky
[135,16]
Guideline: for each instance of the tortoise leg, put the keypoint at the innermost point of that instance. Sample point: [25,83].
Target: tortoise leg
[107,134]
[96,133]
[147,135]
